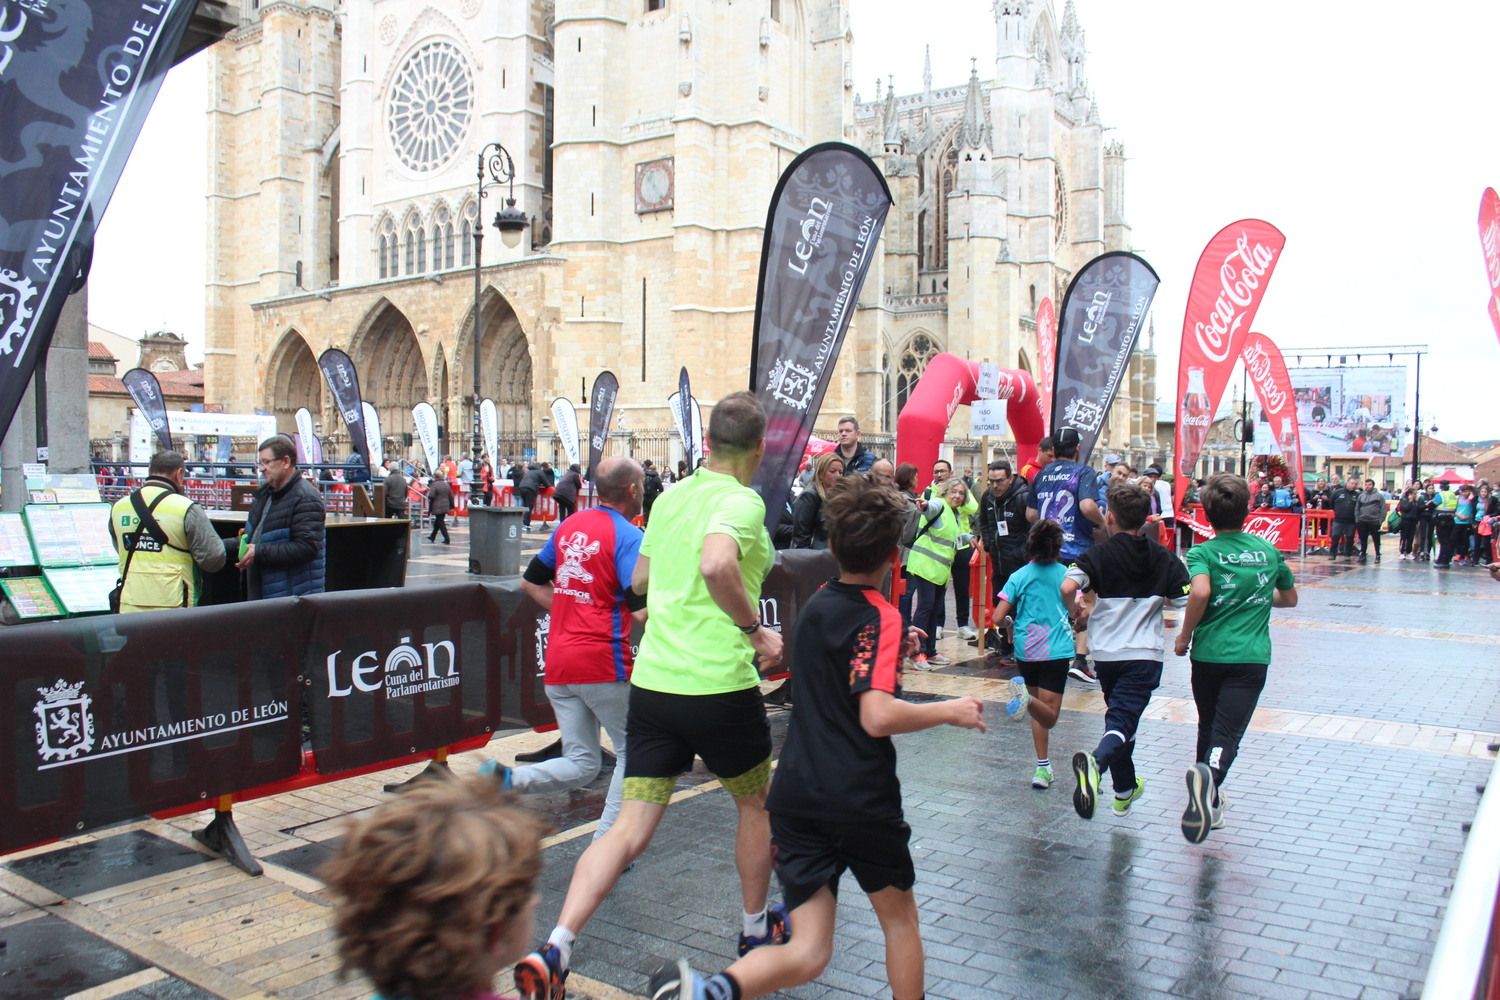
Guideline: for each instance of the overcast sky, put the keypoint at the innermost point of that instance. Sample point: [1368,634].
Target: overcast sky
[1365,132]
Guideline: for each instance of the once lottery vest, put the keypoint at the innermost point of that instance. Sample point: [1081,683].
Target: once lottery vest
[162,576]
[931,556]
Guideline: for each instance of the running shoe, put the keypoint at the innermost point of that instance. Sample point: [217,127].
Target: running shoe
[1080,670]
[939,660]
[1218,810]
[540,975]
[1086,792]
[499,771]
[1197,818]
[1019,699]
[967,633]
[1121,807]
[920,662]
[1041,777]
[675,981]
[778,931]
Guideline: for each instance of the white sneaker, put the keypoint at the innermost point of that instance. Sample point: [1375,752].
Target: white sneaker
[937,633]
[967,632]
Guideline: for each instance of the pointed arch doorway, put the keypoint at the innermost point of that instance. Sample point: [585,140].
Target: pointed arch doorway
[504,376]
[294,381]
[392,373]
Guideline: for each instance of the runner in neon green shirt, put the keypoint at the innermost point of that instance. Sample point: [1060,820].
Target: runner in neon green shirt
[694,690]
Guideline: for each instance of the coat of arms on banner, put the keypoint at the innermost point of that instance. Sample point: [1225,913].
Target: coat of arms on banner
[1084,414]
[792,384]
[543,629]
[65,726]
[16,310]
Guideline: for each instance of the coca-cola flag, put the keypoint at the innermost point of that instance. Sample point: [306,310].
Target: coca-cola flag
[601,412]
[1489,242]
[76,82]
[1226,292]
[682,414]
[822,226]
[565,419]
[1103,312]
[1046,356]
[145,390]
[342,378]
[1273,387]
[424,416]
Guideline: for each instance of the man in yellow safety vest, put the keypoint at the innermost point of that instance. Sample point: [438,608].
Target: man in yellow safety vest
[161,559]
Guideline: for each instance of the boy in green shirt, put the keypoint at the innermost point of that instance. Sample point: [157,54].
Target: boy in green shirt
[1236,580]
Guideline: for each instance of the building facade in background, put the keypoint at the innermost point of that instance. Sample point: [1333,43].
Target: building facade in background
[647,136]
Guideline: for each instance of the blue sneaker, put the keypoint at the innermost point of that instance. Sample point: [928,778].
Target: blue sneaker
[676,981]
[540,975]
[494,767]
[778,930]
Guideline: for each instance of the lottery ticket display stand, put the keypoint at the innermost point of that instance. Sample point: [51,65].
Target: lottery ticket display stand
[57,559]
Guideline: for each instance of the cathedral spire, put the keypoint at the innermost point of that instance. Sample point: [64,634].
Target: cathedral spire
[927,76]
[972,135]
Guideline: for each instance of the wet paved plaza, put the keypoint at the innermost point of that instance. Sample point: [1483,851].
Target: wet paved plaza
[1344,830]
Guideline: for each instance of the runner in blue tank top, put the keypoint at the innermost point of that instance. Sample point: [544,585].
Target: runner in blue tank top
[1065,491]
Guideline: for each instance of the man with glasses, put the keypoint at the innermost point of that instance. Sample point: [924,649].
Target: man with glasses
[281,551]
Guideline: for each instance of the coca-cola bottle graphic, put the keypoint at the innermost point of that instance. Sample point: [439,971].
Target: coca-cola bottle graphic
[1195,417]
[1287,440]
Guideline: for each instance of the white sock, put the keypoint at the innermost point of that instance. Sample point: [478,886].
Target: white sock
[755,924]
[563,939]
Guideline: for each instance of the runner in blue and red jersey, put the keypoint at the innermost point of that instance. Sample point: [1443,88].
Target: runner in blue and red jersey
[1065,491]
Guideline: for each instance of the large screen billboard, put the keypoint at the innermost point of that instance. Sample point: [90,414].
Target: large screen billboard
[1350,411]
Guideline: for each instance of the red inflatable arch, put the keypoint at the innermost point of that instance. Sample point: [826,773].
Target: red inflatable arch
[948,383]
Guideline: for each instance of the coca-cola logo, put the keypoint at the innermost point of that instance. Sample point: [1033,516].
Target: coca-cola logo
[1490,239]
[1258,364]
[1240,277]
[1263,526]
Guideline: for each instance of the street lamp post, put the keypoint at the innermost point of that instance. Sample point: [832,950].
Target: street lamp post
[495,166]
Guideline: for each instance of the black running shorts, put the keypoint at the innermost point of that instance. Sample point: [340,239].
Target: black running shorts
[1047,675]
[663,732]
[809,854]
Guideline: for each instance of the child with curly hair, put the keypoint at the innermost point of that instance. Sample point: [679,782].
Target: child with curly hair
[435,891]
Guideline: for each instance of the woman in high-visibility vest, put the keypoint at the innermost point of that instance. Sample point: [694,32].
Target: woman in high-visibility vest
[930,564]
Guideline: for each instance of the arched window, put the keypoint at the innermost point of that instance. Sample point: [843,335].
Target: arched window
[442,238]
[386,246]
[919,350]
[414,243]
[466,234]
[947,180]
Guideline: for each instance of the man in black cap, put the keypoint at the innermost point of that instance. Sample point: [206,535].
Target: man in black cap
[1161,499]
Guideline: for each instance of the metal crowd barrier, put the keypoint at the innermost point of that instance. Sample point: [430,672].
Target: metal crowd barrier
[1464,962]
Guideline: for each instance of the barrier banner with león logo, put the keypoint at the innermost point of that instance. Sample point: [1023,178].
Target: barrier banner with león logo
[145,392]
[1282,529]
[76,82]
[821,231]
[1103,312]
[398,676]
[1489,242]
[1046,357]
[1273,387]
[1226,292]
[108,719]
[601,412]
[343,379]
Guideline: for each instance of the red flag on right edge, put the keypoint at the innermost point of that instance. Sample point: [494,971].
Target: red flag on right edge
[1489,242]
[1227,289]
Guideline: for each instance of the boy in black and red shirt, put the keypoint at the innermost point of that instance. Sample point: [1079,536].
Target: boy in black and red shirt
[835,802]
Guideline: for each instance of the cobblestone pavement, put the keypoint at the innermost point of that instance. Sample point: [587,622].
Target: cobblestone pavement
[1344,833]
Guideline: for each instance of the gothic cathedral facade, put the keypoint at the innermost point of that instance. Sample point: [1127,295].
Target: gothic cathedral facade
[647,137]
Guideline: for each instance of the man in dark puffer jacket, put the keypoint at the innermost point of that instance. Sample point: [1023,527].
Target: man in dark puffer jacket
[284,531]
